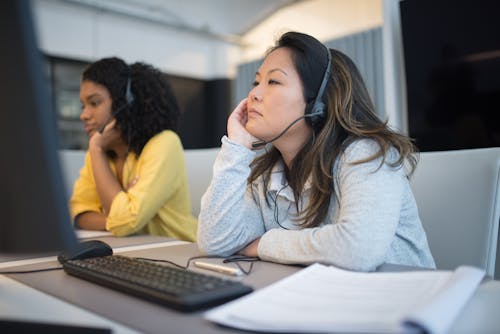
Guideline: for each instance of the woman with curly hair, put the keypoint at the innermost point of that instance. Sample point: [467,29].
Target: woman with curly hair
[134,178]
[331,184]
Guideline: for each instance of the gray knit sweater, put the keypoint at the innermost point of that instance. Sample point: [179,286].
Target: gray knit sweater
[373,220]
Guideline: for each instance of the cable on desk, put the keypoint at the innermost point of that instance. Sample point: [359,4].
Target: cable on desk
[29,271]
[236,260]
[231,259]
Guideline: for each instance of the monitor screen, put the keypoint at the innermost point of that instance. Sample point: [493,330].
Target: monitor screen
[34,215]
[452,61]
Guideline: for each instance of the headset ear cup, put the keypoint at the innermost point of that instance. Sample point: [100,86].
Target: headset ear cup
[316,115]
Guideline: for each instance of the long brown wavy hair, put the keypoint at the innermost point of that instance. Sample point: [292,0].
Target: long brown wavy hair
[350,115]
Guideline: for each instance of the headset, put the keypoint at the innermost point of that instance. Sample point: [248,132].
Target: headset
[315,114]
[129,98]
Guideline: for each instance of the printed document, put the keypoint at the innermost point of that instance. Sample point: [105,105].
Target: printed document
[325,299]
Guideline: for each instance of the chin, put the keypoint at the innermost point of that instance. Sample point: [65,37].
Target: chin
[251,128]
[252,132]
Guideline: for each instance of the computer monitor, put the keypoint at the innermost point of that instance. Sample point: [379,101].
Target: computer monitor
[34,217]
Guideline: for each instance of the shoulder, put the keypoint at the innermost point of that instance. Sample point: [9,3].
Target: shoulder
[360,149]
[368,153]
[163,147]
[165,137]
[165,140]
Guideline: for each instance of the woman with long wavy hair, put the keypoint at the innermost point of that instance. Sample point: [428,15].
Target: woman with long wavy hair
[330,183]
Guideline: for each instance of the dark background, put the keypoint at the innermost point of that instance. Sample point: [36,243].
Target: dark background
[452,60]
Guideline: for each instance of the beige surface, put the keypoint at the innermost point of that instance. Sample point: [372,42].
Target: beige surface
[479,316]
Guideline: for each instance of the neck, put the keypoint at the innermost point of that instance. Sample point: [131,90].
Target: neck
[121,150]
[291,145]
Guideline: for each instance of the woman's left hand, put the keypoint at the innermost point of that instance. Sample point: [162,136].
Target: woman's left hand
[104,140]
[236,122]
[251,249]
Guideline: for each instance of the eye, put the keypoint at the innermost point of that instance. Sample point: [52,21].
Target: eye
[255,83]
[273,82]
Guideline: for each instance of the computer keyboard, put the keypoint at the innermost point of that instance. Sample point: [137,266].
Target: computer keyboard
[180,289]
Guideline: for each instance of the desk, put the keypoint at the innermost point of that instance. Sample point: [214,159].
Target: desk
[479,316]
[22,302]
[114,242]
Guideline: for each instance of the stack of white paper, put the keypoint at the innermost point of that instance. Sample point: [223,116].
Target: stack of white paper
[324,299]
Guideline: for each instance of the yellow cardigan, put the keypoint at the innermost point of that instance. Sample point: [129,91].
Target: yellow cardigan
[158,203]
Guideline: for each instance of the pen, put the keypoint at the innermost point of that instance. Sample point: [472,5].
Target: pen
[218,268]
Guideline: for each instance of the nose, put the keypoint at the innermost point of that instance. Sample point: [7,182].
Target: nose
[255,95]
[84,115]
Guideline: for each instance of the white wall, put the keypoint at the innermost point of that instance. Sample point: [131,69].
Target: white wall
[323,19]
[71,31]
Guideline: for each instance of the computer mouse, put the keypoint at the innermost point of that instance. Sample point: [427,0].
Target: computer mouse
[85,250]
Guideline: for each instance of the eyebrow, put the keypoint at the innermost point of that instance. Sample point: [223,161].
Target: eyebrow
[88,97]
[273,70]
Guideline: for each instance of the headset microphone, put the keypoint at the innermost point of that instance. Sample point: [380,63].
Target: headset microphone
[101,129]
[259,143]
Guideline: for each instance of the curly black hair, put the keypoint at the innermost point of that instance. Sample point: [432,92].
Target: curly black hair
[154,107]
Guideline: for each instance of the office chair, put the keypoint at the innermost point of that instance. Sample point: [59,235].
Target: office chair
[199,165]
[458,196]
[71,162]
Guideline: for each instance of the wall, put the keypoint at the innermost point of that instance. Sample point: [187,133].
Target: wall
[75,32]
[324,19]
